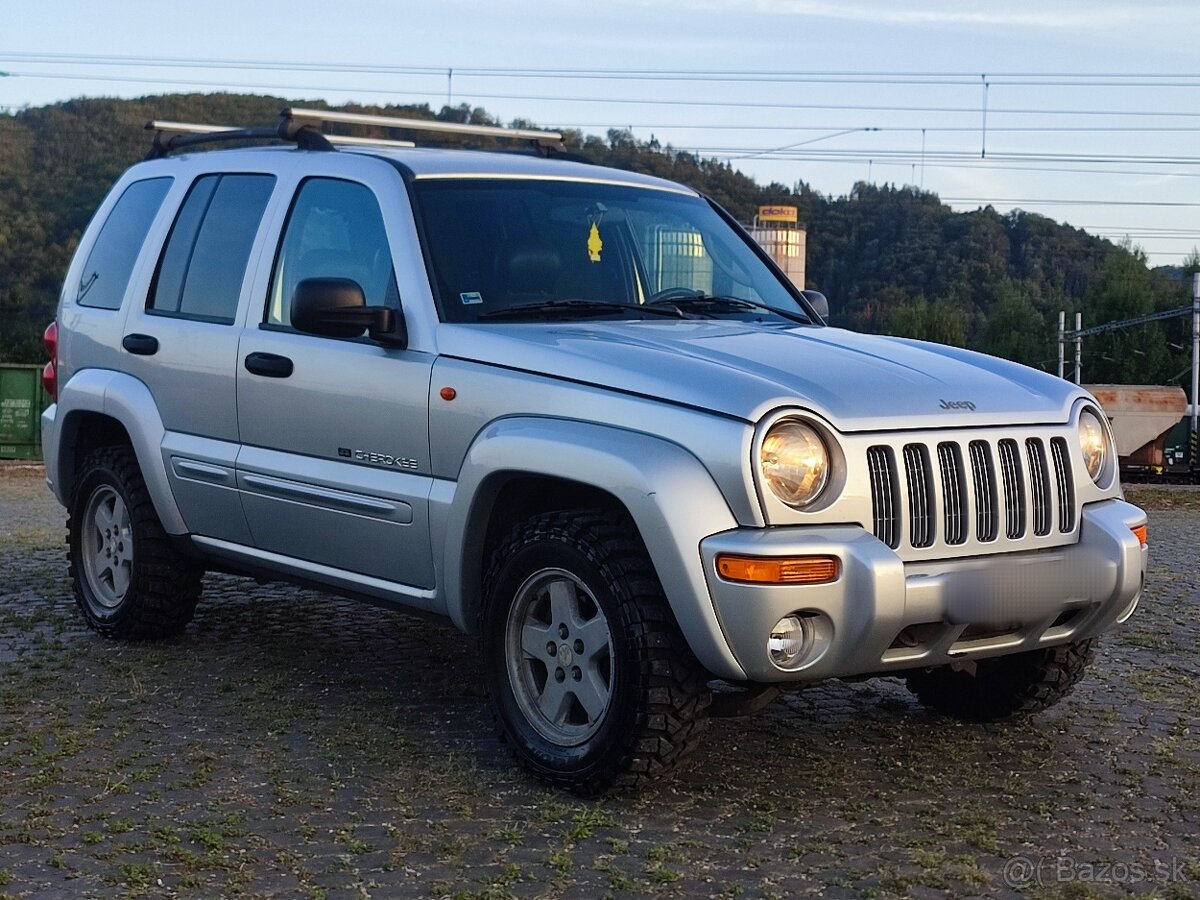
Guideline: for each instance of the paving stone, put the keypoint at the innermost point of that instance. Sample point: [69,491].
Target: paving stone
[292,744]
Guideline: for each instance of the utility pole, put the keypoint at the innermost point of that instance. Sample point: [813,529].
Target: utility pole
[1078,345]
[1062,327]
[983,126]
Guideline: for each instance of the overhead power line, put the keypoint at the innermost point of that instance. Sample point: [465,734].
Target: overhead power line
[1132,107]
[824,76]
[1008,201]
[620,101]
[910,129]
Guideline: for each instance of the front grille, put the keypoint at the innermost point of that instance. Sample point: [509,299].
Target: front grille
[1014,485]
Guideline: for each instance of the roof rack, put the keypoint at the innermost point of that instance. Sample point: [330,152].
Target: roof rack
[303,127]
[170,136]
[295,120]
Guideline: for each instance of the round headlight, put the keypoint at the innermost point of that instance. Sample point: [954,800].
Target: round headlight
[794,463]
[1093,443]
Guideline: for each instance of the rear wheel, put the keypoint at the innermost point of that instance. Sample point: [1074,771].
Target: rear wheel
[1021,683]
[127,578]
[591,682]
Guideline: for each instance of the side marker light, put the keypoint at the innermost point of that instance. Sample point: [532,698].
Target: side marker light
[779,569]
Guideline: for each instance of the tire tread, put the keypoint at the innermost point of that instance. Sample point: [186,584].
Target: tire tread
[165,586]
[670,720]
[1016,685]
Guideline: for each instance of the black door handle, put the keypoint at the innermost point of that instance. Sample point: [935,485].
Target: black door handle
[269,364]
[141,344]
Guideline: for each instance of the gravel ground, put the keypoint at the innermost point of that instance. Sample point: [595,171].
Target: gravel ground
[290,744]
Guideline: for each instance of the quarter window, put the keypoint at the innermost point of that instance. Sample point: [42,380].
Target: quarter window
[335,230]
[203,265]
[110,263]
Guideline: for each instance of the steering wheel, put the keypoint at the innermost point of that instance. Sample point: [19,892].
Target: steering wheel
[673,293]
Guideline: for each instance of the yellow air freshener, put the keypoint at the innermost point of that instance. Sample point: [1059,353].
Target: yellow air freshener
[594,244]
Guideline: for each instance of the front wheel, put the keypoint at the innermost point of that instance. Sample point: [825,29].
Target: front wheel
[591,682]
[127,578]
[1021,683]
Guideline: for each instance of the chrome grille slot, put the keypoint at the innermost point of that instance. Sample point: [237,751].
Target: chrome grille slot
[1014,491]
[984,479]
[954,493]
[921,512]
[1066,488]
[1039,483]
[885,502]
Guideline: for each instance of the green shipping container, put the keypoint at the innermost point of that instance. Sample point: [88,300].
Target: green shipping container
[22,400]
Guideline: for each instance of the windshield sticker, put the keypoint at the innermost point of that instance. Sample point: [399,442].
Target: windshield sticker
[470,298]
[594,244]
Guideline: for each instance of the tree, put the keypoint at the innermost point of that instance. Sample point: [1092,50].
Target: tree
[889,258]
[1138,355]
[1014,329]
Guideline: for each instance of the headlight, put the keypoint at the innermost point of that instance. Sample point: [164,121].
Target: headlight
[1093,442]
[794,463]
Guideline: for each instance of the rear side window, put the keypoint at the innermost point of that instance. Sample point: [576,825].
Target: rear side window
[110,262]
[203,265]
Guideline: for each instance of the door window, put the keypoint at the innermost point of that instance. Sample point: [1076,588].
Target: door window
[204,263]
[334,230]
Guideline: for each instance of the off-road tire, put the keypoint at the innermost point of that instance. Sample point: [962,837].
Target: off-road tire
[659,696]
[1019,684]
[163,585]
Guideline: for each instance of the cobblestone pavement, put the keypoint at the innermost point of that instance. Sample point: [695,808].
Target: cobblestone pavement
[291,744]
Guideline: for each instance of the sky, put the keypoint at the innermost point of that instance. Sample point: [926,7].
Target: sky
[1086,111]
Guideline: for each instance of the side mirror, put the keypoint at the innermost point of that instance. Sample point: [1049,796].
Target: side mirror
[818,302]
[336,307]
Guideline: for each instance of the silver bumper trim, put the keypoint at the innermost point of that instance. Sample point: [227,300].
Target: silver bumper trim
[887,615]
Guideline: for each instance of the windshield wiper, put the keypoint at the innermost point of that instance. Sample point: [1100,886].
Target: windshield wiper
[714,303]
[577,308]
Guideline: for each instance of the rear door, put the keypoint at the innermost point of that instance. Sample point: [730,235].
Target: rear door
[181,340]
[334,466]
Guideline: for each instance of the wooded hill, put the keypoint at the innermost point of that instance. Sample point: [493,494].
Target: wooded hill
[891,259]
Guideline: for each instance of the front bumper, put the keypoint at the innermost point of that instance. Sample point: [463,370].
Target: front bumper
[882,614]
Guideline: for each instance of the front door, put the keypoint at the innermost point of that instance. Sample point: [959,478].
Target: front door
[334,465]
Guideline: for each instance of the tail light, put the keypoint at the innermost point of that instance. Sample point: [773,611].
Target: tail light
[50,372]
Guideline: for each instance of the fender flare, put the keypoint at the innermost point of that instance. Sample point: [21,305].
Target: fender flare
[128,401]
[671,497]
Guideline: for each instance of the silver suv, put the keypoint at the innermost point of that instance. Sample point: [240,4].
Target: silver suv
[581,415]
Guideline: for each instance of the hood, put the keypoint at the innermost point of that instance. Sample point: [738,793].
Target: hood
[857,382]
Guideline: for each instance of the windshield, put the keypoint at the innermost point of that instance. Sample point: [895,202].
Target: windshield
[497,245]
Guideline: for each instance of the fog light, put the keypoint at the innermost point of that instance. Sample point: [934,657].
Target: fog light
[787,642]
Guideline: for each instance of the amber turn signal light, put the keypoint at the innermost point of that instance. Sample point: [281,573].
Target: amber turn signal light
[779,569]
[1139,532]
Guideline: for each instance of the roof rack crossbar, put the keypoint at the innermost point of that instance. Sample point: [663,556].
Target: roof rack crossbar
[296,119]
[171,136]
[303,127]
[339,139]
